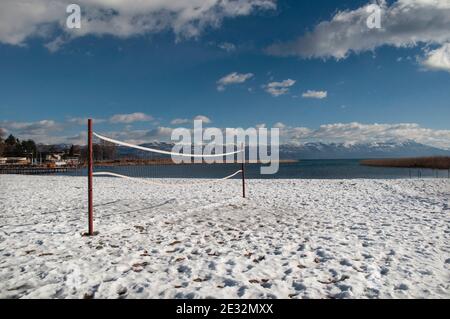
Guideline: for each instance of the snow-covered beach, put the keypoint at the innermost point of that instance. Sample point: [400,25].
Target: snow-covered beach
[289,239]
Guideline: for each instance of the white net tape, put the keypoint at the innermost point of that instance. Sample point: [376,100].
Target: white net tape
[146,181]
[142,148]
[147,149]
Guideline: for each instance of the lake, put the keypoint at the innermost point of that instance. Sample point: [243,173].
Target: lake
[305,169]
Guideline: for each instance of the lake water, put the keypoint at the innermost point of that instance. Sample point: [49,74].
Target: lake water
[305,169]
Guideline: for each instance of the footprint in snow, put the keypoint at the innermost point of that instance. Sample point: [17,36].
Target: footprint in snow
[230,282]
[384,271]
[346,262]
[402,286]
[298,286]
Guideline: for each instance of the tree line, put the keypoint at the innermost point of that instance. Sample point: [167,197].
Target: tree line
[104,151]
[13,147]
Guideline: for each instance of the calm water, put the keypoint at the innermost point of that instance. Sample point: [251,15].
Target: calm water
[305,169]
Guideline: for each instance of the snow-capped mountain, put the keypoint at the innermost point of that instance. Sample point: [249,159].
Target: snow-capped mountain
[329,150]
[359,150]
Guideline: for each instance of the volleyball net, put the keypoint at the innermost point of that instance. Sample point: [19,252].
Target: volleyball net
[156,164]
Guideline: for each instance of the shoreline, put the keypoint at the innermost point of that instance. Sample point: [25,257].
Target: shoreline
[170,162]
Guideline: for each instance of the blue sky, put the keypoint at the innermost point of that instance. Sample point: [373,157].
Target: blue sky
[161,76]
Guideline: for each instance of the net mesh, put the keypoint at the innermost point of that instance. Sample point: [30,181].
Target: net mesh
[153,163]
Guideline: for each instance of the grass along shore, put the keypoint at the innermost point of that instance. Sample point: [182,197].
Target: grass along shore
[419,162]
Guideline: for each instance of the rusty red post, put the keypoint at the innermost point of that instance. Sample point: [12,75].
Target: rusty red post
[90,181]
[243,170]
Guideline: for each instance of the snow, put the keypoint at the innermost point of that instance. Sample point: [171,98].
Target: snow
[289,239]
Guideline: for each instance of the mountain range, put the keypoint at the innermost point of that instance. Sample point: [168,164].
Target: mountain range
[359,150]
[342,150]
[318,150]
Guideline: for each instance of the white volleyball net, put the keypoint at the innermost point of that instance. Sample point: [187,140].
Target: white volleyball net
[156,163]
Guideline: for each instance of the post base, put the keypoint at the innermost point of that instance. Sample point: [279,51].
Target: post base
[89,235]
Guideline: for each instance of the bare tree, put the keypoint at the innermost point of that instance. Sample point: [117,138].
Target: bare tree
[109,150]
[101,152]
[2,142]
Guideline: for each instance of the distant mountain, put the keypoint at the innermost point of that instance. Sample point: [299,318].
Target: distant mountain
[324,150]
[53,147]
[362,150]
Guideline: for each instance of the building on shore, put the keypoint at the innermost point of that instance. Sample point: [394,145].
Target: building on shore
[14,161]
[72,161]
[54,157]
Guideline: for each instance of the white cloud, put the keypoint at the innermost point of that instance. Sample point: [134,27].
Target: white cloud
[279,88]
[45,131]
[22,19]
[204,119]
[405,23]
[227,46]
[3,132]
[131,118]
[179,121]
[55,44]
[367,133]
[279,125]
[31,128]
[315,94]
[232,78]
[438,59]
[51,132]
[79,139]
[158,134]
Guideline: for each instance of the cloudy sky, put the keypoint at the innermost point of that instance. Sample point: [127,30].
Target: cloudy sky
[312,68]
